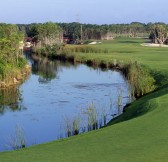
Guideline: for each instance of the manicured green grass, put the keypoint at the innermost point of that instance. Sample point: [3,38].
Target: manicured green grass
[139,135]
[121,50]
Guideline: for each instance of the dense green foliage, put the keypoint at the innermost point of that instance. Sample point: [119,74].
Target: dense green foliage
[45,34]
[142,138]
[11,58]
[46,37]
[76,32]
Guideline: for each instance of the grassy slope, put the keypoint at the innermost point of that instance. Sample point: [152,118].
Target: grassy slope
[144,138]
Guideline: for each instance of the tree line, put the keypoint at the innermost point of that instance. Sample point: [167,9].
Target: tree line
[75,32]
[103,32]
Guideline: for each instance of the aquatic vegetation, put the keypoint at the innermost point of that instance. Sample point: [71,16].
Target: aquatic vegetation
[140,79]
[119,101]
[18,139]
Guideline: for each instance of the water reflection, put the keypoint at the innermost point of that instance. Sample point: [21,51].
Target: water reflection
[46,69]
[10,98]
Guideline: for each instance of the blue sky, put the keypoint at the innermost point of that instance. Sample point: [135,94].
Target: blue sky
[84,11]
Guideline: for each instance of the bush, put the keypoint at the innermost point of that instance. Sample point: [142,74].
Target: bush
[21,62]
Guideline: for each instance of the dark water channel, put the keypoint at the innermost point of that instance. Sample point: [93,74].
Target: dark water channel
[55,94]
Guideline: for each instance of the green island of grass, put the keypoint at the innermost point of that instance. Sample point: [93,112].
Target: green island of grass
[138,135]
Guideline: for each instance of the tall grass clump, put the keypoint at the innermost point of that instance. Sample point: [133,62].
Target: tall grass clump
[94,118]
[18,139]
[119,101]
[68,127]
[75,126]
[103,120]
[11,74]
[91,113]
[83,49]
[8,74]
[72,127]
[140,79]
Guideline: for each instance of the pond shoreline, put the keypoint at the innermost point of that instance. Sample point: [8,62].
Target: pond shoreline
[133,71]
[18,79]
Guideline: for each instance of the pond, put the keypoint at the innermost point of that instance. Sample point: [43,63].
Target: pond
[57,96]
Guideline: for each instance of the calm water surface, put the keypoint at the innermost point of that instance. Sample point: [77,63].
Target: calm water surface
[53,93]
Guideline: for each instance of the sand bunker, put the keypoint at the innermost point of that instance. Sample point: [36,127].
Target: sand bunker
[153,45]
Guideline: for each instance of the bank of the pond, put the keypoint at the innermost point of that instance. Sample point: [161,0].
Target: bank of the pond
[143,138]
[16,77]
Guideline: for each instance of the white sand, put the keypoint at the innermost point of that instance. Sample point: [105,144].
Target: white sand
[153,45]
[93,43]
